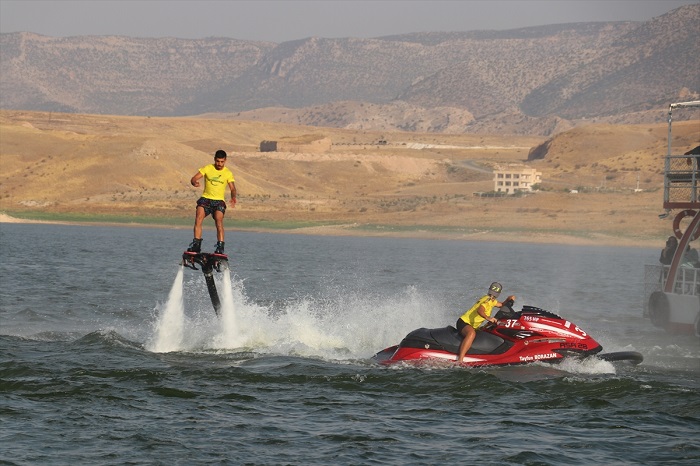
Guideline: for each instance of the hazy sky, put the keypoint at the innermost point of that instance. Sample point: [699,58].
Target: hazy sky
[280,21]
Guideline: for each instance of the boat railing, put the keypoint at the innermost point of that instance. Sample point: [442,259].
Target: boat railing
[681,181]
[687,281]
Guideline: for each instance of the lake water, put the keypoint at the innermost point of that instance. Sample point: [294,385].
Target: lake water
[92,371]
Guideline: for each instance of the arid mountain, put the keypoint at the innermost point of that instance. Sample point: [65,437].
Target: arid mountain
[118,75]
[538,80]
[659,59]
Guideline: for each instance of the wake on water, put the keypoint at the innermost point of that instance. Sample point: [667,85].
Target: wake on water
[350,327]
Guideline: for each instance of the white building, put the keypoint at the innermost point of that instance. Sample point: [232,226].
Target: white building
[514,179]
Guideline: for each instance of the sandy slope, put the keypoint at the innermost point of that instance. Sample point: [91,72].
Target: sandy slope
[416,185]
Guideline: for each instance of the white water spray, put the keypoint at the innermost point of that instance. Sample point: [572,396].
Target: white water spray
[230,336]
[170,325]
[347,324]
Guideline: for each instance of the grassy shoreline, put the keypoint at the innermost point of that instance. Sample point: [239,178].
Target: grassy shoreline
[442,232]
[52,217]
[142,220]
[122,220]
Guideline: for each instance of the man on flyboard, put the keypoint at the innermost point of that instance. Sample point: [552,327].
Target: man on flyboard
[216,178]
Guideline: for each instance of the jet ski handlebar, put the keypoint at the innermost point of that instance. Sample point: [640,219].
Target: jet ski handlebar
[507,312]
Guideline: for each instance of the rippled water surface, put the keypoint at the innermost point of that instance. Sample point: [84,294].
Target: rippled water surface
[91,371]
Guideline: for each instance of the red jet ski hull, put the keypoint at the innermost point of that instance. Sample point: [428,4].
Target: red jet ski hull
[524,337]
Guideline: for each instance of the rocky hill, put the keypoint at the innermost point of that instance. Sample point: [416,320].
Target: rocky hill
[537,80]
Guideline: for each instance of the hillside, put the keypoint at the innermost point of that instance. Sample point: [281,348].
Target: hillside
[531,81]
[415,184]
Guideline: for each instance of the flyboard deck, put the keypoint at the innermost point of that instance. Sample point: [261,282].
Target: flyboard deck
[209,262]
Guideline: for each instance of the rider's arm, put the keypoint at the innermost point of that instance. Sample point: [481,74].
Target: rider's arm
[232,187]
[482,313]
[195,179]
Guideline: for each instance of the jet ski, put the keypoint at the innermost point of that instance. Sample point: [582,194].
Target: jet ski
[530,335]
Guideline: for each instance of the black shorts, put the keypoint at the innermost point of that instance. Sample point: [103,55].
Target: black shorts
[210,205]
[460,325]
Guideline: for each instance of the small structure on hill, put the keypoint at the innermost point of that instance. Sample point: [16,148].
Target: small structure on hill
[305,143]
[515,179]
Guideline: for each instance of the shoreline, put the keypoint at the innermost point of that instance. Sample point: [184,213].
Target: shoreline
[355,230]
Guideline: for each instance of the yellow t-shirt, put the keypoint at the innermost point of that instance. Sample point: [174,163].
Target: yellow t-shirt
[472,316]
[215,181]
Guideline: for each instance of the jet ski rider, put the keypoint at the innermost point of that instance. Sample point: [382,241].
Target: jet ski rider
[476,315]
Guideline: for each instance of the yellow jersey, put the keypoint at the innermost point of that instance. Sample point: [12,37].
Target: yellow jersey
[215,181]
[472,316]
